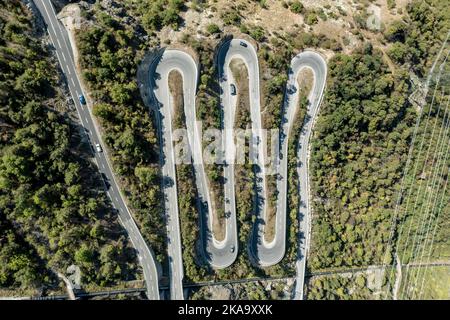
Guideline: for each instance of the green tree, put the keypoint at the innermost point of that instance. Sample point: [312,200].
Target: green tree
[213,28]
[296,7]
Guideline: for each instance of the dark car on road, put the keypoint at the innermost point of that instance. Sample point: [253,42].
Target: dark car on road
[106,180]
[82,99]
[291,89]
[233,89]
[242,43]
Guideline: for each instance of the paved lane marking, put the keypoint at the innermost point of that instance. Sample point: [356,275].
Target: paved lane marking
[45,7]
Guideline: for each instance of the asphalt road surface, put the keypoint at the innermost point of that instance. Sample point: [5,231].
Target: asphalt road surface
[172,60]
[216,252]
[222,253]
[265,253]
[243,50]
[60,41]
[317,65]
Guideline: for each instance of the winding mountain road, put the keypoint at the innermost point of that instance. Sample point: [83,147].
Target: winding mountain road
[223,253]
[270,253]
[159,74]
[317,65]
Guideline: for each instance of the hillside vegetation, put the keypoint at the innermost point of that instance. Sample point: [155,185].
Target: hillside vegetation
[362,141]
[110,54]
[53,209]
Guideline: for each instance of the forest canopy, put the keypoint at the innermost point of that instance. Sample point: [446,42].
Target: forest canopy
[53,209]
